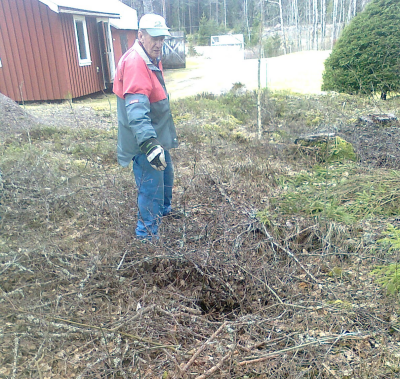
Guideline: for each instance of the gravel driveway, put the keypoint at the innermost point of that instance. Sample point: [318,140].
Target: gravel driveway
[77,116]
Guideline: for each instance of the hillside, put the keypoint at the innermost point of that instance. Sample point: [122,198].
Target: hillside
[267,271]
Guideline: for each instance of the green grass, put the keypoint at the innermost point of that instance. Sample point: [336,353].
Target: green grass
[341,193]
[388,276]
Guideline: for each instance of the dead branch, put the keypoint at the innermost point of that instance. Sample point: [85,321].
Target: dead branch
[257,360]
[266,285]
[329,371]
[202,348]
[190,310]
[138,314]
[270,238]
[122,260]
[15,366]
[150,342]
[261,358]
[89,273]
[216,367]
[38,368]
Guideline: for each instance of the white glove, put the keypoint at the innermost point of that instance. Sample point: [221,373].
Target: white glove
[157,158]
[154,153]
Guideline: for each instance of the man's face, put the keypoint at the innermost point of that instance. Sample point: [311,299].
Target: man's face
[152,45]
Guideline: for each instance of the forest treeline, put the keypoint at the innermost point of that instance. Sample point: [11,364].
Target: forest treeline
[285,20]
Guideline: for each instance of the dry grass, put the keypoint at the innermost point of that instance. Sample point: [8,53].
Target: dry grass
[221,295]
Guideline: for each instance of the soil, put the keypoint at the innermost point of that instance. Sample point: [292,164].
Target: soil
[75,116]
[14,118]
[377,144]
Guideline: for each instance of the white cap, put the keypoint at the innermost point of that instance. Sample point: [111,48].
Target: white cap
[154,25]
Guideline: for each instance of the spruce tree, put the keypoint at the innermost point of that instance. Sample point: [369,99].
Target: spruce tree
[366,57]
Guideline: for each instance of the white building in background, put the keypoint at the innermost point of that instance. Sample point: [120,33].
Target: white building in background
[228,40]
[228,45]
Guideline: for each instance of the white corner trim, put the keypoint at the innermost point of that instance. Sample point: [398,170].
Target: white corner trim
[51,5]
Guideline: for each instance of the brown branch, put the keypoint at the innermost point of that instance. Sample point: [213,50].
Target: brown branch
[202,348]
[215,368]
[138,314]
[297,347]
[288,252]
[190,310]
[265,284]
[262,359]
[133,336]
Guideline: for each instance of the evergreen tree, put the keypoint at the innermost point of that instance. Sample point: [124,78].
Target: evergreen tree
[207,29]
[366,58]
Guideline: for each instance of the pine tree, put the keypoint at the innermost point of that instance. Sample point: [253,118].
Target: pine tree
[366,58]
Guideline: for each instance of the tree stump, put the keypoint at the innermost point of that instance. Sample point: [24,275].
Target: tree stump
[378,119]
[317,137]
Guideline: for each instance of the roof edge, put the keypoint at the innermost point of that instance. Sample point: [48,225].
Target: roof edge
[51,5]
[62,9]
[87,13]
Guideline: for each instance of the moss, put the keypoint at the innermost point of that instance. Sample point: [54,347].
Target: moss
[340,150]
[314,117]
[332,150]
[239,137]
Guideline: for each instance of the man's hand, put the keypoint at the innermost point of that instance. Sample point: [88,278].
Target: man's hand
[155,154]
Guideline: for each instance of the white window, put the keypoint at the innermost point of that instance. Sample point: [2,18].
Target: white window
[82,42]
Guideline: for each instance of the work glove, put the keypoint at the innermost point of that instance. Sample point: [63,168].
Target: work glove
[154,153]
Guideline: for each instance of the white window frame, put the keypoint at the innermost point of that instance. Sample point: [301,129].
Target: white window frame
[82,60]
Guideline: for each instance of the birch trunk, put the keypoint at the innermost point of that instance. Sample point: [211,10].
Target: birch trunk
[282,27]
[148,6]
[334,21]
[246,18]
[164,11]
[260,55]
[323,24]
[225,13]
[315,25]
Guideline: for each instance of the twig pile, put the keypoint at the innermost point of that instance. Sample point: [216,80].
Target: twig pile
[220,295]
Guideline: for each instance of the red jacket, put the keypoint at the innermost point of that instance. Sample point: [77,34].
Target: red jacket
[142,105]
[134,76]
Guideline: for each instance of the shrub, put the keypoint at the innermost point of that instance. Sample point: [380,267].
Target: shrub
[272,46]
[366,56]
[388,276]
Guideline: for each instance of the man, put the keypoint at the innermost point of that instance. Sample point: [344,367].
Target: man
[146,130]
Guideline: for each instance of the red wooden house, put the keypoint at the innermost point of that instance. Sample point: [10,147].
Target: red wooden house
[61,49]
[123,30]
